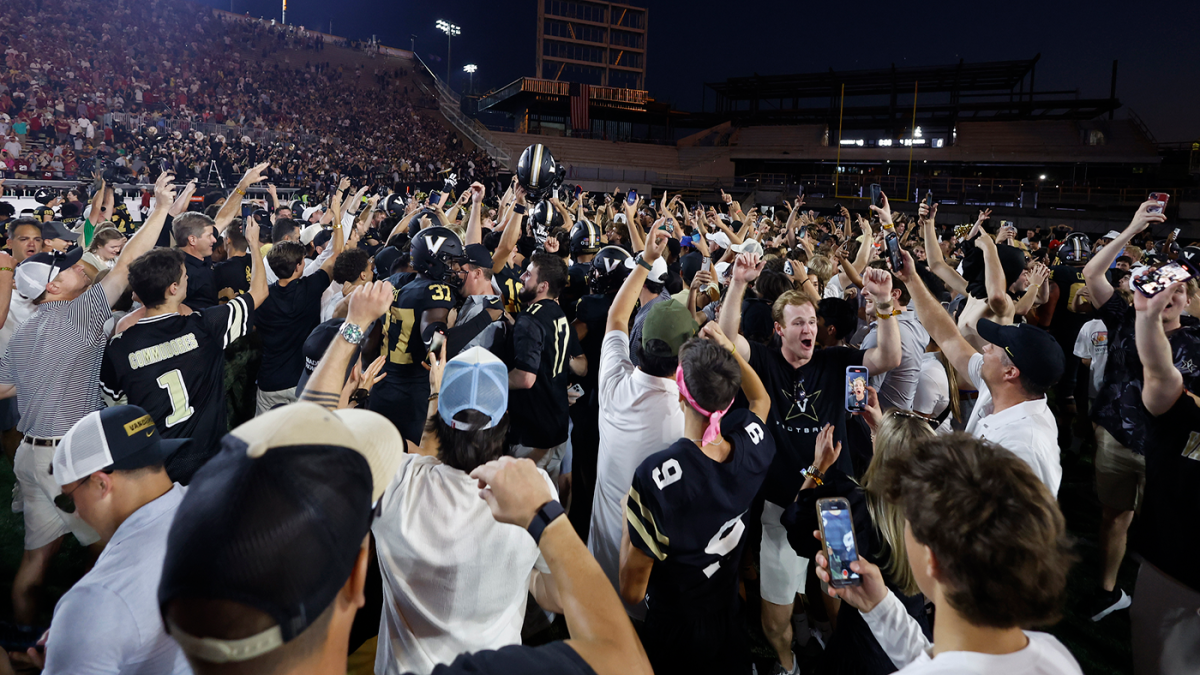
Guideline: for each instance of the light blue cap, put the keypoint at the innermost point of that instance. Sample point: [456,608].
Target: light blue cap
[474,380]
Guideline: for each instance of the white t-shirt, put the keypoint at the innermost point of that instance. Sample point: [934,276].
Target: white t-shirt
[639,416]
[901,639]
[454,579]
[20,309]
[1027,430]
[1092,343]
[933,390]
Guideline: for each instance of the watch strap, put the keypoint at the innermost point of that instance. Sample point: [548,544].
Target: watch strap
[642,261]
[542,519]
[351,333]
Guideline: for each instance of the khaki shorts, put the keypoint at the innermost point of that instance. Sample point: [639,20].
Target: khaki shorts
[1120,473]
[266,401]
[550,461]
[45,522]
[781,572]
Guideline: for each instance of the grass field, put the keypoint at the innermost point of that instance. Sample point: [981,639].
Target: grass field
[1101,649]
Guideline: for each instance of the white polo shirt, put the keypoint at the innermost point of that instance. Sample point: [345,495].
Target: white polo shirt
[1027,429]
[454,579]
[109,622]
[639,416]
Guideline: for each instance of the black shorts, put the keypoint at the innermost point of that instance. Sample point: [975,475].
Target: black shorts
[707,640]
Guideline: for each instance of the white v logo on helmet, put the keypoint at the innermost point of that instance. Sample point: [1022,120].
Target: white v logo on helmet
[610,264]
[434,244]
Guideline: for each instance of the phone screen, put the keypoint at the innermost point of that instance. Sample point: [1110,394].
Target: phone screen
[893,247]
[1162,198]
[876,191]
[631,198]
[856,388]
[929,199]
[837,534]
[705,265]
[1157,281]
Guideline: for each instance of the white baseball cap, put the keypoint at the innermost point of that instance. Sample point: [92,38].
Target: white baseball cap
[748,246]
[720,239]
[658,269]
[309,233]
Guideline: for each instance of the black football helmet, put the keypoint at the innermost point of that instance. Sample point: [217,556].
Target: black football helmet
[585,238]
[418,221]
[1076,249]
[43,196]
[608,270]
[434,252]
[393,205]
[538,173]
[544,215]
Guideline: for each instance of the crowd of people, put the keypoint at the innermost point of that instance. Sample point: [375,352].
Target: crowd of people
[410,432]
[144,87]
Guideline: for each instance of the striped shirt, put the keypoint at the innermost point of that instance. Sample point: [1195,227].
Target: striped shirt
[54,360]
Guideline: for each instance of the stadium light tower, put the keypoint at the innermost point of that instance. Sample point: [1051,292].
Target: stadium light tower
[470,69]
[450,30]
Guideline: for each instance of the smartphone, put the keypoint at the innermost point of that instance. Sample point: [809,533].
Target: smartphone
[788,269]
[837,540]
[1162,198]
[929,200]
[1156,281]
[578,191]
[654,203]
[856,388]
[578,390]
[434,196]
[631,197]
[876,191]
[706,264]
[1174,234]
[803,231]
[893,249]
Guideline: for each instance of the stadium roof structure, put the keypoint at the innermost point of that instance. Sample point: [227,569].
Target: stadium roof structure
[884,98]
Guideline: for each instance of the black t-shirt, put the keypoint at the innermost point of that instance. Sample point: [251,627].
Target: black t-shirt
[576,288]
[592,311]
[1118,405]
[802,401]
[556,658]
[1165,531]
[688,513]
[540,345]
[757,323]
[1065,324]
[233,274]
[403,342]
[173,367]
[201,285]
[284,321]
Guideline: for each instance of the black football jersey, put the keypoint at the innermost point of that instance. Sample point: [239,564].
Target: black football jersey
[233,274]
[541,345]
[173,367]
[688,513]
[508,283]
[402,325]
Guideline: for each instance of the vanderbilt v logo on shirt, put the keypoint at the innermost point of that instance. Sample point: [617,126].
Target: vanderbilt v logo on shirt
[1192,449]
[803,405]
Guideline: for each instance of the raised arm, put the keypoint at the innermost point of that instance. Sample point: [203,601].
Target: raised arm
[115,282]
[864,251]
[935,318]
[601,632]
[475,222]
[367,303]
[258,270]
[994,279]
[627,296]
[752,386]
[746,269]
[933,253]
[1038,291]
[1163,383]
[1095,273]
[512,232]
[886,354]
[233,204]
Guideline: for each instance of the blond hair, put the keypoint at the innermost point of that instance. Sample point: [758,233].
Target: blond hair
[823,267]
[898,432]
[792,297]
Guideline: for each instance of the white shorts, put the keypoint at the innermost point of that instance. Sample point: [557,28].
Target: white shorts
[45,522]
[266,401]
[781,571]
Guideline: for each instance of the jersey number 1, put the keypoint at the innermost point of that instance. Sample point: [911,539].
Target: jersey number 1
[181,408]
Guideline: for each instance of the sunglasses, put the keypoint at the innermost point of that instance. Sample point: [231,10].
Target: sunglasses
[66,501]
[915,416]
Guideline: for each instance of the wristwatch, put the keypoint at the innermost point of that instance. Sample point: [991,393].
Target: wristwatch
[519,208]
[814,473]
[642,261]
[542,519]
[351,333]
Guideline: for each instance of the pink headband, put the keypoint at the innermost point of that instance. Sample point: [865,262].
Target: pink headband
[714,418]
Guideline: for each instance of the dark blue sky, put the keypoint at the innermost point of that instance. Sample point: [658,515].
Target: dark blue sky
[691,42]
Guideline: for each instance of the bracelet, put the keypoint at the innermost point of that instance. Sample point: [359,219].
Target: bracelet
[545,515]
[6,269]
[433,396]
[240,191]
[888,315]
[519,209]
[815,474]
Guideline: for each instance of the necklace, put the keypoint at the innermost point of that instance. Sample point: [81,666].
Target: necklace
[700,441]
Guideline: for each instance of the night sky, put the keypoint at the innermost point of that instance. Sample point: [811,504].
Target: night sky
[692,42]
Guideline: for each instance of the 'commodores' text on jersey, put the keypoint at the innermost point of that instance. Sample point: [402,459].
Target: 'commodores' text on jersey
[688,513]
[174,367]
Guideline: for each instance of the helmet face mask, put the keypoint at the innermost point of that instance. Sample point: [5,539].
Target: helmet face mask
[538,173]
[1076,249]
[585,239]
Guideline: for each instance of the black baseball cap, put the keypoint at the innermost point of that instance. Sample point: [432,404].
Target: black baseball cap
[385,260]
[1032,350]
[275,522]
[57,230]
[120,438]
[315,346]
[478,255]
